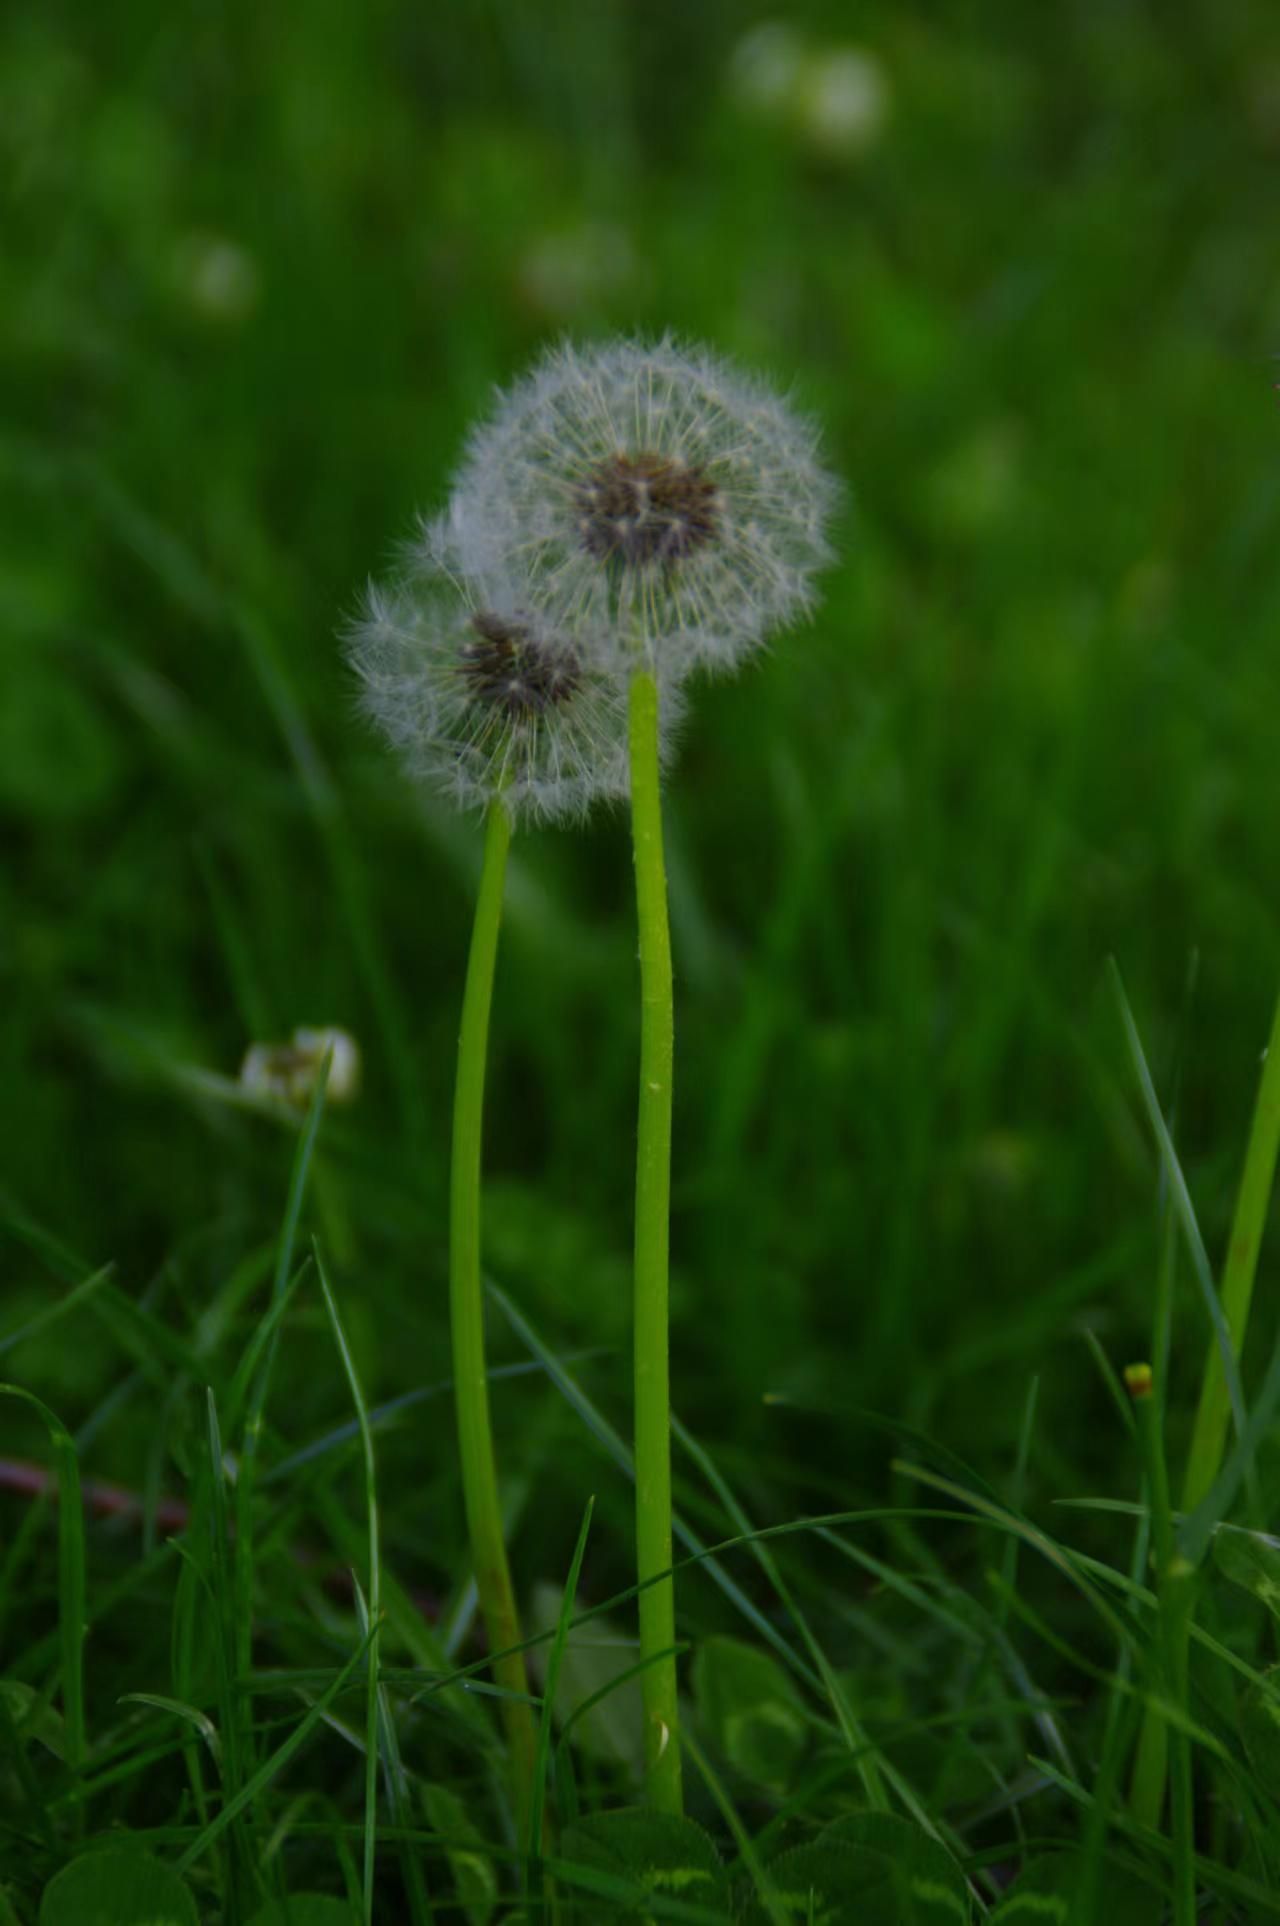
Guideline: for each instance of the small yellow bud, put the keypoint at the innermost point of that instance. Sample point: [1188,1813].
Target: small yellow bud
[1138,1381]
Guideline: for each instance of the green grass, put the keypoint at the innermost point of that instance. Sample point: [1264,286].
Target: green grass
[261,269]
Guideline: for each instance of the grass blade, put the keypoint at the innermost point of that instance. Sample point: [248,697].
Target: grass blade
[387,1745]
[271,1768]
[72,1301]
[1252,1205]
[246,1479]
[375,1584]
[1183,1206]
[538,1797]
[855,1738]
[604,1432]
[71,1571]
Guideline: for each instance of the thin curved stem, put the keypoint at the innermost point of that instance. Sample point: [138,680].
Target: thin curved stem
[653,1207]
[466,1315]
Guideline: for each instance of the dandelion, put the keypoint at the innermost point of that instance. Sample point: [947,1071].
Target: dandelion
[652,495]
[483,699]
[673,510]
[629,513]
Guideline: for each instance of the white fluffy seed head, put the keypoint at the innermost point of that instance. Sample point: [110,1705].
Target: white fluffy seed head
[649,493]
[482,697]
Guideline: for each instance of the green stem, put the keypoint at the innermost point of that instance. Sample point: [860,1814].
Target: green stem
[1176,1602]
[466,1312]
[1151,1760]
[653,1209]
[1204,1460]
[1162,1746]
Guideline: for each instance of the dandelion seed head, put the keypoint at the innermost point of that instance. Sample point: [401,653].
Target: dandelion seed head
[504,666]
[481,697]
[643,509]
[649,493]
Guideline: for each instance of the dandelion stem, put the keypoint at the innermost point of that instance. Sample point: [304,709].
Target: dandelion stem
[653,1203]
[466,1310]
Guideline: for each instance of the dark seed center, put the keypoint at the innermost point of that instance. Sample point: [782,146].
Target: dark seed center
[505,667]
[642,509]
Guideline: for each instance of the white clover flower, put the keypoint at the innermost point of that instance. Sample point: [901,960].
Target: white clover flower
[649,493]
[287,1072]
[483,698]
[834,98]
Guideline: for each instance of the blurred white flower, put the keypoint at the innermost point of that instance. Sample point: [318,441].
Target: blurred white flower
[483,697]
[653,502]
[286,1072]
[842,102]
[216,277]
[834,99]
[765,67]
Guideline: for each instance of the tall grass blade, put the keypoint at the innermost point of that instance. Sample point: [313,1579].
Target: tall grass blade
[555,1658]
[387,1747]
[604,1433]
[1252,1205]
[71,1571]
[1183,1206]
[375,1584]
[42,1321]
[246,1476]
[273,1766]
[854,1736]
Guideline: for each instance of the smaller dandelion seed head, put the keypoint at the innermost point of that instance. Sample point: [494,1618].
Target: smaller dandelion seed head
[483,698]
[648,493]
[504,664]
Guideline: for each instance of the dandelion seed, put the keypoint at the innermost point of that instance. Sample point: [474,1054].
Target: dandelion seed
[482,698]
[648,494]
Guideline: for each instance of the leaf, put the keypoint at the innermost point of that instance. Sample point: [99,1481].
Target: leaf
[305,1909]
[1044,1889]
[750,1710]
[1250,1561]
[1260,1727]
[473,1876]
[32,1717]
[595,1655]
[829,1883]
[118,1887]
[178,1708]
[935,1884]
[658,1852]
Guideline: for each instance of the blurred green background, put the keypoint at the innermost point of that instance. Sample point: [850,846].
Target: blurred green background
[261,268]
